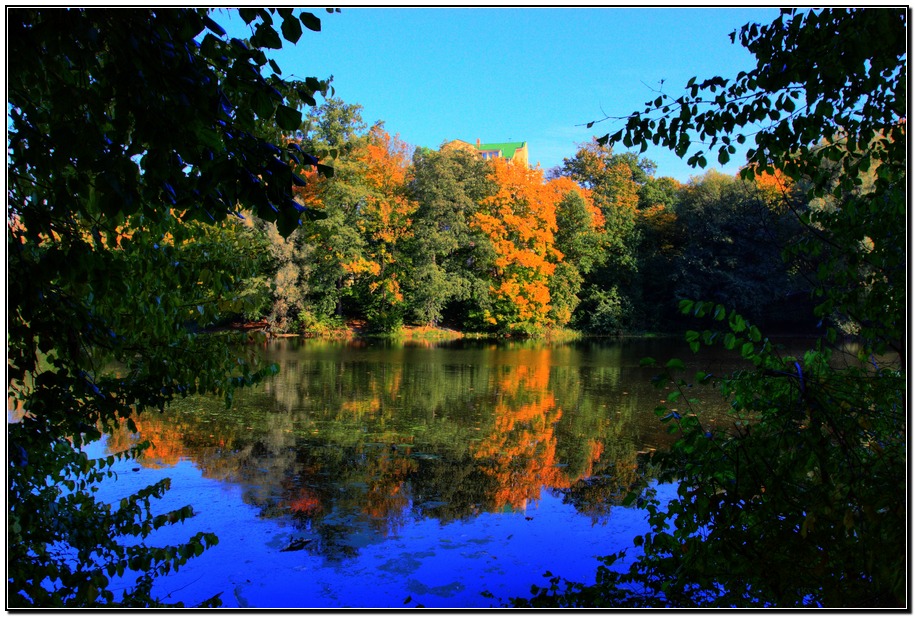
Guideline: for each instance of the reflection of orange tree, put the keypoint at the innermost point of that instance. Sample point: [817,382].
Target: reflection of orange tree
[376,481]
[388,497]
[306,502]
[173,436]
[166,447]
[520,451]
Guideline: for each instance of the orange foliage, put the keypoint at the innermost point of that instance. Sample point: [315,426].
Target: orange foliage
[774,188]
[385,214]
[310,195]
[520,221]
[358,266]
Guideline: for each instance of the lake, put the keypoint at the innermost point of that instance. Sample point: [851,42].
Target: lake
[372,474]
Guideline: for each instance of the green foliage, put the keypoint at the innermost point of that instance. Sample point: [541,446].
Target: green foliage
[448,257]
[609,274]
[858,92]
[802,500]
[333,126]
[576,237]
[732,245]
[809,480]
[659,192]
[132,138]
[604,311]
[329,249]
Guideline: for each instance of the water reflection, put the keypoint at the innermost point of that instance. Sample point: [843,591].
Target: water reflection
[351,442]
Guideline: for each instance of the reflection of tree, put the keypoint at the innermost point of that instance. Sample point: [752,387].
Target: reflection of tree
[452,488]
[613,477]
[337,490]
[387,498]
[353,438]
[520,450]
[306,502]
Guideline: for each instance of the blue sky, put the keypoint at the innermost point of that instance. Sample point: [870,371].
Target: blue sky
[516,74]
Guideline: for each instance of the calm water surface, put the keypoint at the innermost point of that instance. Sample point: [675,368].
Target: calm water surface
[377,474]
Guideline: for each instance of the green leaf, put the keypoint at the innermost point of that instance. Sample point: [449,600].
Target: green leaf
[647,362]
[292,29]
[307,97]
[266,36]
[674,363]
[288,118]
[262,104]
[737,322]
[311,22]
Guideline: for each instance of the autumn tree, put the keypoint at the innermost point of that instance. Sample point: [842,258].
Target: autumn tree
[520,222]
[384,219]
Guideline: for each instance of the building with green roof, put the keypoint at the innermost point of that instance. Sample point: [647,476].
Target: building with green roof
[515,151]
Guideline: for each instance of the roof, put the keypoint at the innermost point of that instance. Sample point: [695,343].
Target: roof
[507,148]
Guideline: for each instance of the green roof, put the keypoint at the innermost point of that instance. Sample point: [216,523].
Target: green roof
[508,148]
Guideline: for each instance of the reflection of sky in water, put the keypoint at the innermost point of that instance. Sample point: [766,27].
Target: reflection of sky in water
[433,564]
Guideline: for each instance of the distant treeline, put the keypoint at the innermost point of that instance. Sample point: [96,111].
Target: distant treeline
[599,244]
